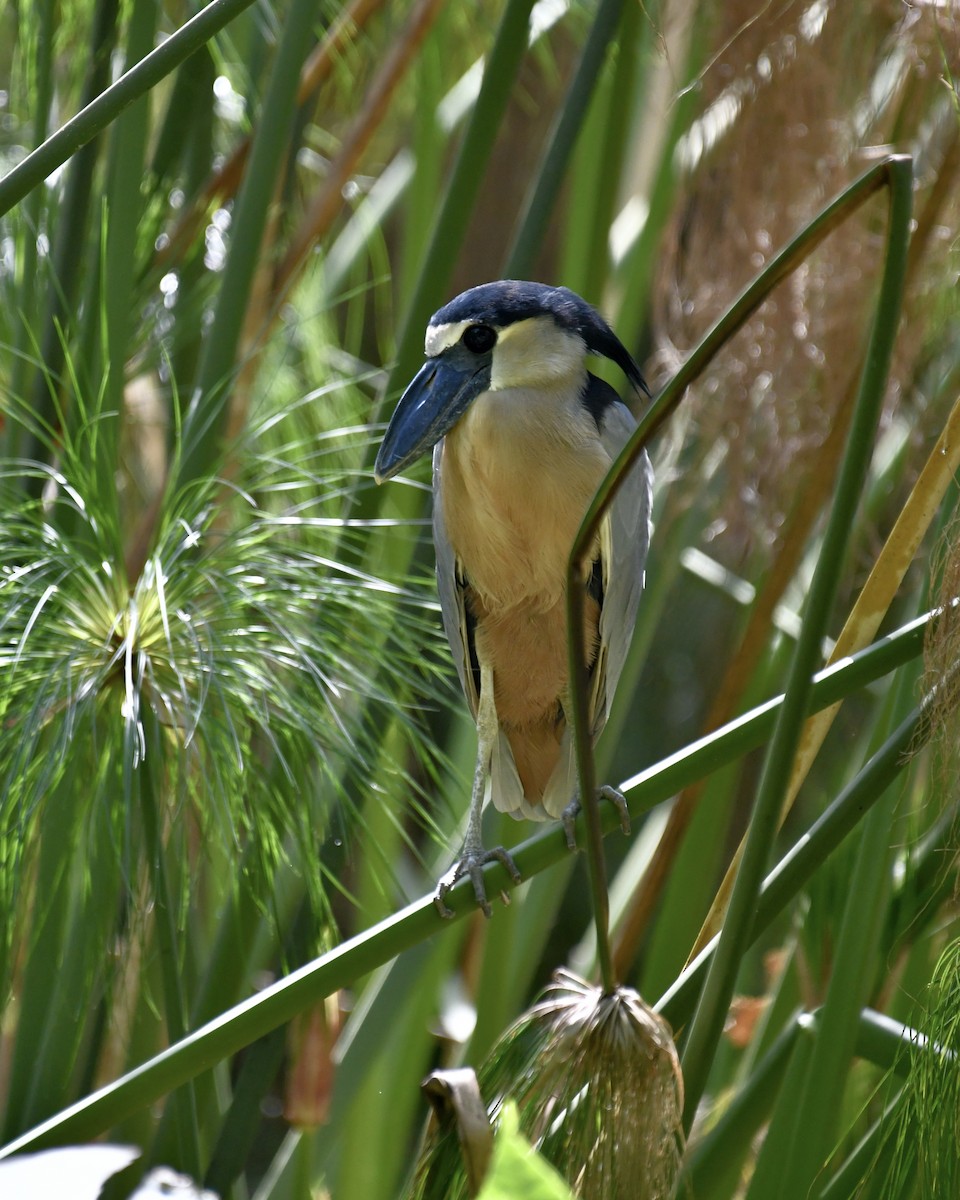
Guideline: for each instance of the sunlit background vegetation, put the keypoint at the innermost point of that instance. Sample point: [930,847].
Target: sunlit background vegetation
[230,736]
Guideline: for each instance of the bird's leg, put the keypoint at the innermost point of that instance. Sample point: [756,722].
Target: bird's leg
[474,857]
[606,792]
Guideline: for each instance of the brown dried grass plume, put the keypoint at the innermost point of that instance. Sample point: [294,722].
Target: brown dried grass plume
[597,1082]
[797,100]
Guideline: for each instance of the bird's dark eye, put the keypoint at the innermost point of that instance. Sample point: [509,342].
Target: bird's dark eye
[479,338]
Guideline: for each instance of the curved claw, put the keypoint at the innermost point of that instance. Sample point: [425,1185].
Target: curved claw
[619,801]
[472,864]
[568,819]
[572,811]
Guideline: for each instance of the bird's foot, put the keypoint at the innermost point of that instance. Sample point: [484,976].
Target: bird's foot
[572,811]
[472,863]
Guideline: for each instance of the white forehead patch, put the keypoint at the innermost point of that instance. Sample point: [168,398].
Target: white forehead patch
[528,353]
[442,337]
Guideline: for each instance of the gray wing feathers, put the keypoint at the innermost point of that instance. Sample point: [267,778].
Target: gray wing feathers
[506,787]
[450,587]
[625,538]
[562,785]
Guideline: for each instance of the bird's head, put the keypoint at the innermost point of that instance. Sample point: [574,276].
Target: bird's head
[509,334]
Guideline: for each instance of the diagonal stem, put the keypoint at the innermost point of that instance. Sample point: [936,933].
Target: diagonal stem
[97,115]
[708,1020]
[893,173]
[224,1034]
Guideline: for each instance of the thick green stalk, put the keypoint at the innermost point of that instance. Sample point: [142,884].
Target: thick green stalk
[54,901]
[393,1051]
[239,1128]
[806,1123]
[679,103]
[535,218]
[140,780]
[205,421]
[721,978]
[712,1166]
[602,155]
[715,1160]
[108,105]
[794,870]
[425,167]
[254,1018]
[596,863]
[124,206]
[71,230]
[70,1033]
[498,78]
[190,105]
[21,354]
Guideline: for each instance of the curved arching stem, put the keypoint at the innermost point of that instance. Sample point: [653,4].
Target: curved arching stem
[894,174]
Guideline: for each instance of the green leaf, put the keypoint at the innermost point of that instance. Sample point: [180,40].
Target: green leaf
[517,1171]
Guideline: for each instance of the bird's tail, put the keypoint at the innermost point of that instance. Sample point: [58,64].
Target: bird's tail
[533,773]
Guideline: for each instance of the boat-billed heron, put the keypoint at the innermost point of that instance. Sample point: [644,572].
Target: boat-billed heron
[522,435]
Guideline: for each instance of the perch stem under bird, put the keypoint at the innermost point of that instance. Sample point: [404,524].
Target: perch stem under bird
[522,436]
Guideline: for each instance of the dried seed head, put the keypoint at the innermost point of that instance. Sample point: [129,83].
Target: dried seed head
[597,1082]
